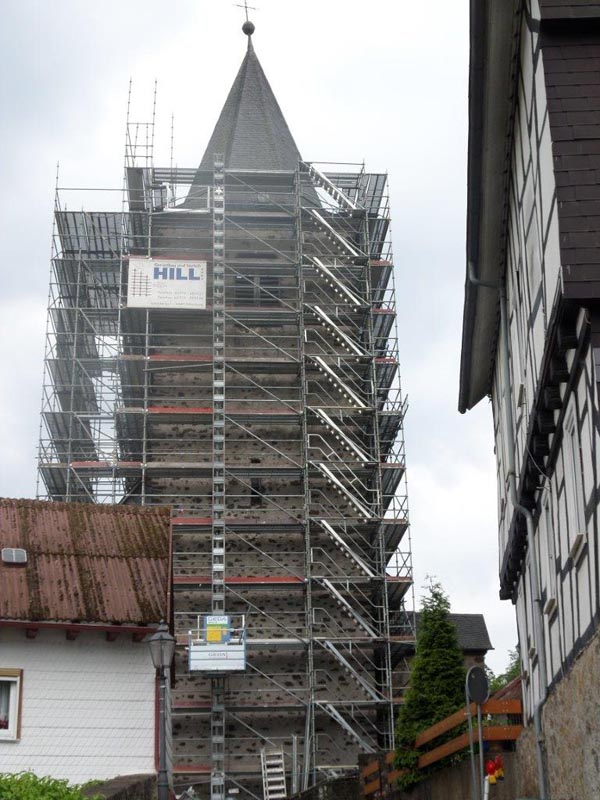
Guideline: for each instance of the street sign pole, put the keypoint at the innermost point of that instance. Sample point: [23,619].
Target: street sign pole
[476,691]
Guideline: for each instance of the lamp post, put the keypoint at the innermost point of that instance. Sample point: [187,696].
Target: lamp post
[162,648]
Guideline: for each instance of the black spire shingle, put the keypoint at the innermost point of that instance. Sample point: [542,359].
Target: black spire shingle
[251,131]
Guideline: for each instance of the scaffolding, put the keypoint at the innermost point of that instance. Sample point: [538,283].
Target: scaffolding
[272,424]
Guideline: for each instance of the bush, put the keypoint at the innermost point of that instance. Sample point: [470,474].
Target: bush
[512,671]
[27,786]
[436,686]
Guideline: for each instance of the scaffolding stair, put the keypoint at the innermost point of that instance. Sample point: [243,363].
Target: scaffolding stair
[338,334]
[339,542]
[345,440]
[335,714]
[324,367]
[323,181]
[273,774]
[330,231]
[336,284]
[341,601]
[351,671]
[336,482]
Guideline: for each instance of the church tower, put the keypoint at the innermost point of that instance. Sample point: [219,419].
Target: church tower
[226,345]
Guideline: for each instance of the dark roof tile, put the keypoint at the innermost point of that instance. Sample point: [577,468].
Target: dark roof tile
[251,131]
[472,631]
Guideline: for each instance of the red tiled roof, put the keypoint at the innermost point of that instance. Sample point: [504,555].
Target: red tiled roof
[85,563]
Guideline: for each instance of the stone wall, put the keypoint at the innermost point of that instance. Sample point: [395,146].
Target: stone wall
[125,787]
[571,721]
[450,782]
[455,782]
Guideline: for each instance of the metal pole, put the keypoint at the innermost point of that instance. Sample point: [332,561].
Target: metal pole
[474,782]
[480,737]
[163,778]
[294,764]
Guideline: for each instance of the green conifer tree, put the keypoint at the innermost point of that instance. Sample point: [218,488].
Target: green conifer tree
[437,681]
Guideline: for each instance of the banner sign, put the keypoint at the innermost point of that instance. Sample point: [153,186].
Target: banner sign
[217,629]
[162,283]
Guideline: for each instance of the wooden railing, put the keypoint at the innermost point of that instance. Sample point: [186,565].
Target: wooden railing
[378,776]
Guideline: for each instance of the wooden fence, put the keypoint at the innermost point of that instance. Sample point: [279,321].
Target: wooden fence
[378,776]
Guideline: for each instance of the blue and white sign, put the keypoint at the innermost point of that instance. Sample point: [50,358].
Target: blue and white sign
[162,283]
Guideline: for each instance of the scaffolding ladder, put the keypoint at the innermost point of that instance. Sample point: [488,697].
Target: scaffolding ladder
[273,774]
[217,716]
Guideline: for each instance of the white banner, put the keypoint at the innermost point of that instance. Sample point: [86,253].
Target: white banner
[165,283]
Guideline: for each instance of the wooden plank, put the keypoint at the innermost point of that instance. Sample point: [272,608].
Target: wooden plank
[369,769]
[389,757]
[491,707]
[442,727]
[491,733]
[447,749]
[394,775]
[372,787]
[502,733]
[506,706]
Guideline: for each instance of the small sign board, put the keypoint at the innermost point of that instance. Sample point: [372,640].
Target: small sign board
[217,629]
[164,283]
[218,644]
[477,685]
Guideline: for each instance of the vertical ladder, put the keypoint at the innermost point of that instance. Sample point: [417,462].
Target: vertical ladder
[273,774]
[217,716]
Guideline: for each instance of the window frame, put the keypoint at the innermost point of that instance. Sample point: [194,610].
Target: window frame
[573,478]
[550,606]
[13,677]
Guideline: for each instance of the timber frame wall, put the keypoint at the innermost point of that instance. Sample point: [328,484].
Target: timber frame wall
[552,262]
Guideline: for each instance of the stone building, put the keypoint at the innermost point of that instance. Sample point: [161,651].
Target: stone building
[226,346]
[531,334]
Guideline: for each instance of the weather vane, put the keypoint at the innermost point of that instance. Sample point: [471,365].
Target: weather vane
[246,8]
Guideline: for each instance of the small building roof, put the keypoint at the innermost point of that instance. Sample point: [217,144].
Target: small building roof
[472,632]
[86,563]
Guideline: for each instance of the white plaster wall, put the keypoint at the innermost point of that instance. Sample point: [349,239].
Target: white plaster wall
[88,706]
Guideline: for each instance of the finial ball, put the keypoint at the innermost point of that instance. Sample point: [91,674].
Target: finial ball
[248,27]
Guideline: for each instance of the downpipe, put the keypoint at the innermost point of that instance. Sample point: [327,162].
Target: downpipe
[512,487]
[538,626]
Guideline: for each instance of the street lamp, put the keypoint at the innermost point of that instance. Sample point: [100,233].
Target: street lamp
[162,648]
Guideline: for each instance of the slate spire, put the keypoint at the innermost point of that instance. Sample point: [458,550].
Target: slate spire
[251,131]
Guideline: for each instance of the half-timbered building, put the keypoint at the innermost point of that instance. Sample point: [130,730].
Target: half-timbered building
[531,333]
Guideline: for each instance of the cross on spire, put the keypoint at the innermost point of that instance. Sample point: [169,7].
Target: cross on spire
[246,8]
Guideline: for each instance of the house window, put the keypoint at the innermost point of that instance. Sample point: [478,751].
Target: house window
[253,290]
[243,291]
[256,492]
[269,290]
[10,704]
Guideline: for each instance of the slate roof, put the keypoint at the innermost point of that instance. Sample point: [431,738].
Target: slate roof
[251,131]
[472,632]
[86,563]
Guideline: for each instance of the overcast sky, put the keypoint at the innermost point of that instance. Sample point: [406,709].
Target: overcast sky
[384,81]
